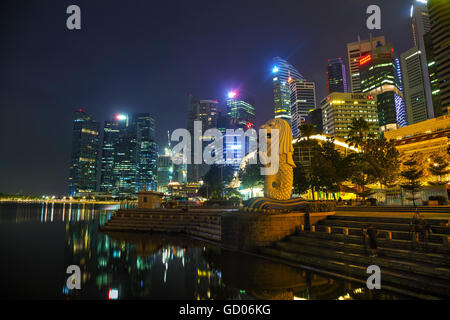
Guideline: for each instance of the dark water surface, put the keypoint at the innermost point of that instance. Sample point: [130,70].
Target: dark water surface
[39,241]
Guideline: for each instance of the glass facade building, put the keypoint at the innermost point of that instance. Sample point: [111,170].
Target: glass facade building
[129,155]
[380,76]
[84,156]
[282,72]
[303,101]
[336,76]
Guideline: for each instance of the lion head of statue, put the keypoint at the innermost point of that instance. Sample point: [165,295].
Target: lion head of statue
[284,138]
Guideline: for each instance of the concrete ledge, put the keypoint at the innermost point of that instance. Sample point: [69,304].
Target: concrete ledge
[248,231]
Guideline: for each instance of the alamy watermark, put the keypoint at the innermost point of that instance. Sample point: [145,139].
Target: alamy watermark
[265,145]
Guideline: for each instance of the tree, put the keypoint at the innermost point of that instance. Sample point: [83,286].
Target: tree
[307,130]
[215,180]
[301,181]
[359,133]
[328,168]
[385,160]
[250,177]
[412,174]
[362,172]
[439,167]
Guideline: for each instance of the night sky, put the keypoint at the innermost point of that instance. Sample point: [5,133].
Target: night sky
[147,56]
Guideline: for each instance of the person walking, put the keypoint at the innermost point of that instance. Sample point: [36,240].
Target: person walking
[372,234]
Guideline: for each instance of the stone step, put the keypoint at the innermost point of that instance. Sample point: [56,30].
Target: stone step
[380,225]
[139,228]
[438,272]
[164,223]
[397,235]
[206,230]
[406,209]
[405,220]
[204,235]
[396,278]
[429,258]
[397,244]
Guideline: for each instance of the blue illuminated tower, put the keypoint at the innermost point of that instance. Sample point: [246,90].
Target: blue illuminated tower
[282,73]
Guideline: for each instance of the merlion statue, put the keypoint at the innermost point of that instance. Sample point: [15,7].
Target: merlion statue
[278,186]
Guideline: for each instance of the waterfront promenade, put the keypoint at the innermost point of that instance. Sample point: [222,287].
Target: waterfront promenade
[334,243]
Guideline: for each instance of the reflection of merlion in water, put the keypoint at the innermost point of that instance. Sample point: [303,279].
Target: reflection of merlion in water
[279,185]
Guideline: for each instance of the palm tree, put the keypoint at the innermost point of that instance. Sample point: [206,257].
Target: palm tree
[359,133]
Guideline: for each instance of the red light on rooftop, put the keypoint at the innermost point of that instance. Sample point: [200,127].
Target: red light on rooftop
[365,59]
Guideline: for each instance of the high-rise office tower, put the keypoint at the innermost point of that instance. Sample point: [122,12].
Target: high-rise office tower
[282,71]
[336,76]
[439,11]
[206,112]
[125,159]
[303,101]
[357,50]
[165,171]
[339,109]
[434,81]
[380,76]
[315,118]
[420,24]
[147,152]
[84,156]
[111,131]
[129,155]
[240,111]
[414,86]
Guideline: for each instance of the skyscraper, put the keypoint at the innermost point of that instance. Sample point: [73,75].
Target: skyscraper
[129,155]
[303,101]
[240,111]
[206,112]
[282,71]
[340,108]
[336,76]
[357,50]
[147,152]
[84,156]
[414,86]
[439,11]
[380,76]
[420,24]
[111,132]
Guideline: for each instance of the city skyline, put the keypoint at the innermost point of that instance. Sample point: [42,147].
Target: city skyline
[46,108]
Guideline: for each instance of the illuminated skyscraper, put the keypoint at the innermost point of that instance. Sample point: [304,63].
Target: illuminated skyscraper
[420,23]
[339,109]
[336,76]
[380,76]
[357,50]
[206,112]
[303,101]
[129,157]
[414,84]
[147,152]
[282,71]
[111,132]
[240,111]
[439,11]
[84,157]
